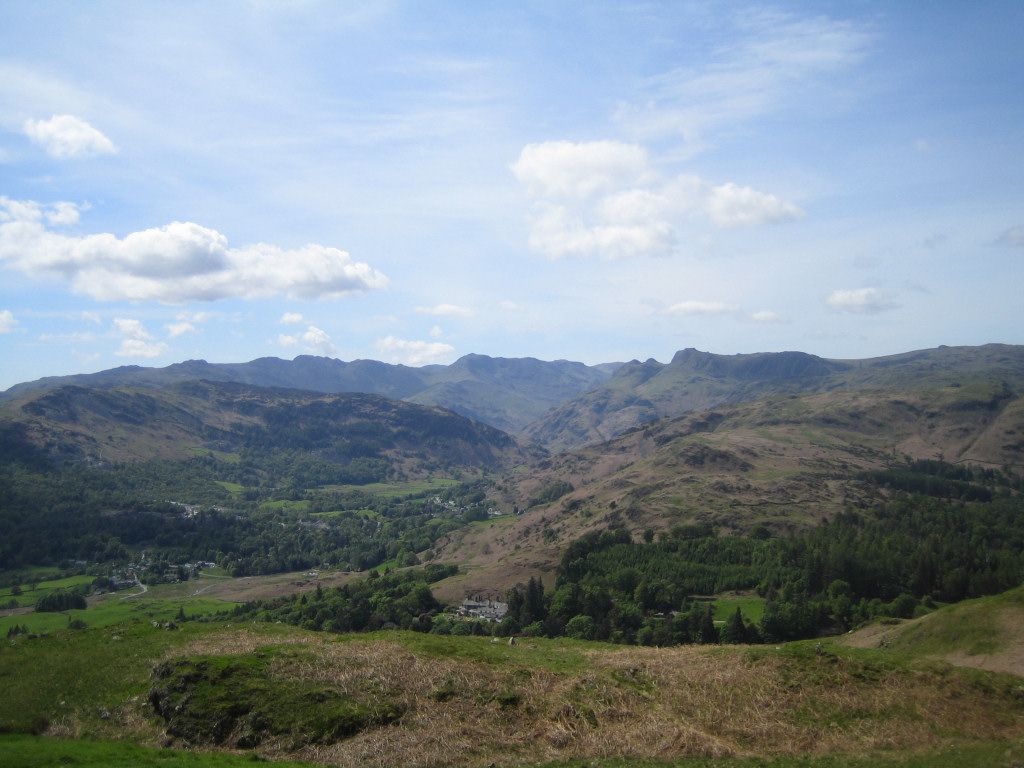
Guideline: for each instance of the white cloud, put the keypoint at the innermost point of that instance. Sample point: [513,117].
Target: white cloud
[291,318]
[181,261]
[415,352]
[446,310]
[287,341]
[436,332]
[866,301]
[91,317]
[178,329]
[730,205]
[67,136]
[508,306]
[766,316]
[565,168]
[136,340]
[700,308]
[194,317]
[1013,237]
[7,321]
[772,55]
[602,198]
[64,214]
[319,341]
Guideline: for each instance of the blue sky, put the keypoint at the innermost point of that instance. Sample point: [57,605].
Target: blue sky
[413,182]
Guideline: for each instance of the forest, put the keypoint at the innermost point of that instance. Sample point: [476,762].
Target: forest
[180,511]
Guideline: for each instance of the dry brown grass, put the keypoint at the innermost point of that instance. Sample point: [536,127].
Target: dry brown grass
[633,702]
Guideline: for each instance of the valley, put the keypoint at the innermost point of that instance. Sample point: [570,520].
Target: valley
[764,528]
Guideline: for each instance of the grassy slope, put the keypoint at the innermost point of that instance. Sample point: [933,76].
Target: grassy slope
[473,702]
[987,633]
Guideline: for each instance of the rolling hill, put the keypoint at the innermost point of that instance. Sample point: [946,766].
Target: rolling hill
[128,424]
[507,393]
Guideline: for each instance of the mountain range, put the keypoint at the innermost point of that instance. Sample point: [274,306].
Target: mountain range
[507,393]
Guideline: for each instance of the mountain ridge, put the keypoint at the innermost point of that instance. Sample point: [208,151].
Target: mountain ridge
[507,393]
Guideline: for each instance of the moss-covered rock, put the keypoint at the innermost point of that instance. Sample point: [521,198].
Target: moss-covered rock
[238,700]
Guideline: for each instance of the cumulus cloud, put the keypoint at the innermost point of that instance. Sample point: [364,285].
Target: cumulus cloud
[565,168]
[186,323]
[1013,237]
[291,318]
[446,310]
[731,205]
[700,308]
[179,329]
[766,316]
[67,136]
[178,262]
[318,340]
[603,198]
[415,352]
[314,340]
[436,332]
[136,341]
[865,301]
[7,321]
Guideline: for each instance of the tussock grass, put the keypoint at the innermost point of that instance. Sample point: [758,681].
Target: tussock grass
[467,701]
[484,703]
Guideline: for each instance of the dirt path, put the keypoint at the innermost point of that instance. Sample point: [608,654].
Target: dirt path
[145,589]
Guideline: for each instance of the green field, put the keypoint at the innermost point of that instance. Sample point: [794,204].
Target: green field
[31,596]
[286,505]
[752,608]
[114,609]
[396,489]
[235,488]
[340,512]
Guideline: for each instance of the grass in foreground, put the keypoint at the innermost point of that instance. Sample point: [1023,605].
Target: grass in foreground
[18,751]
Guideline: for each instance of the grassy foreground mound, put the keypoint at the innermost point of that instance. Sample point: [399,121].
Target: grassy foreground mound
[417,700]
[987,633]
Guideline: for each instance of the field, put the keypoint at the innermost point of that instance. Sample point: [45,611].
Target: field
[396,489]
[751,606]
[30,596]
[114,609]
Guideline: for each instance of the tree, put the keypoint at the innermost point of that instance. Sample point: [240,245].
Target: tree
[708,632]
[580,627]
[735,630]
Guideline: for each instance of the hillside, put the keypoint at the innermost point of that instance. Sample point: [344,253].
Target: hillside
[403,698]
[638,393]
[507,393]
[986,633]
[129,424]
[782,462]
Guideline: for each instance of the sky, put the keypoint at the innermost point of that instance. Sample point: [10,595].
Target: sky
[412,182]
